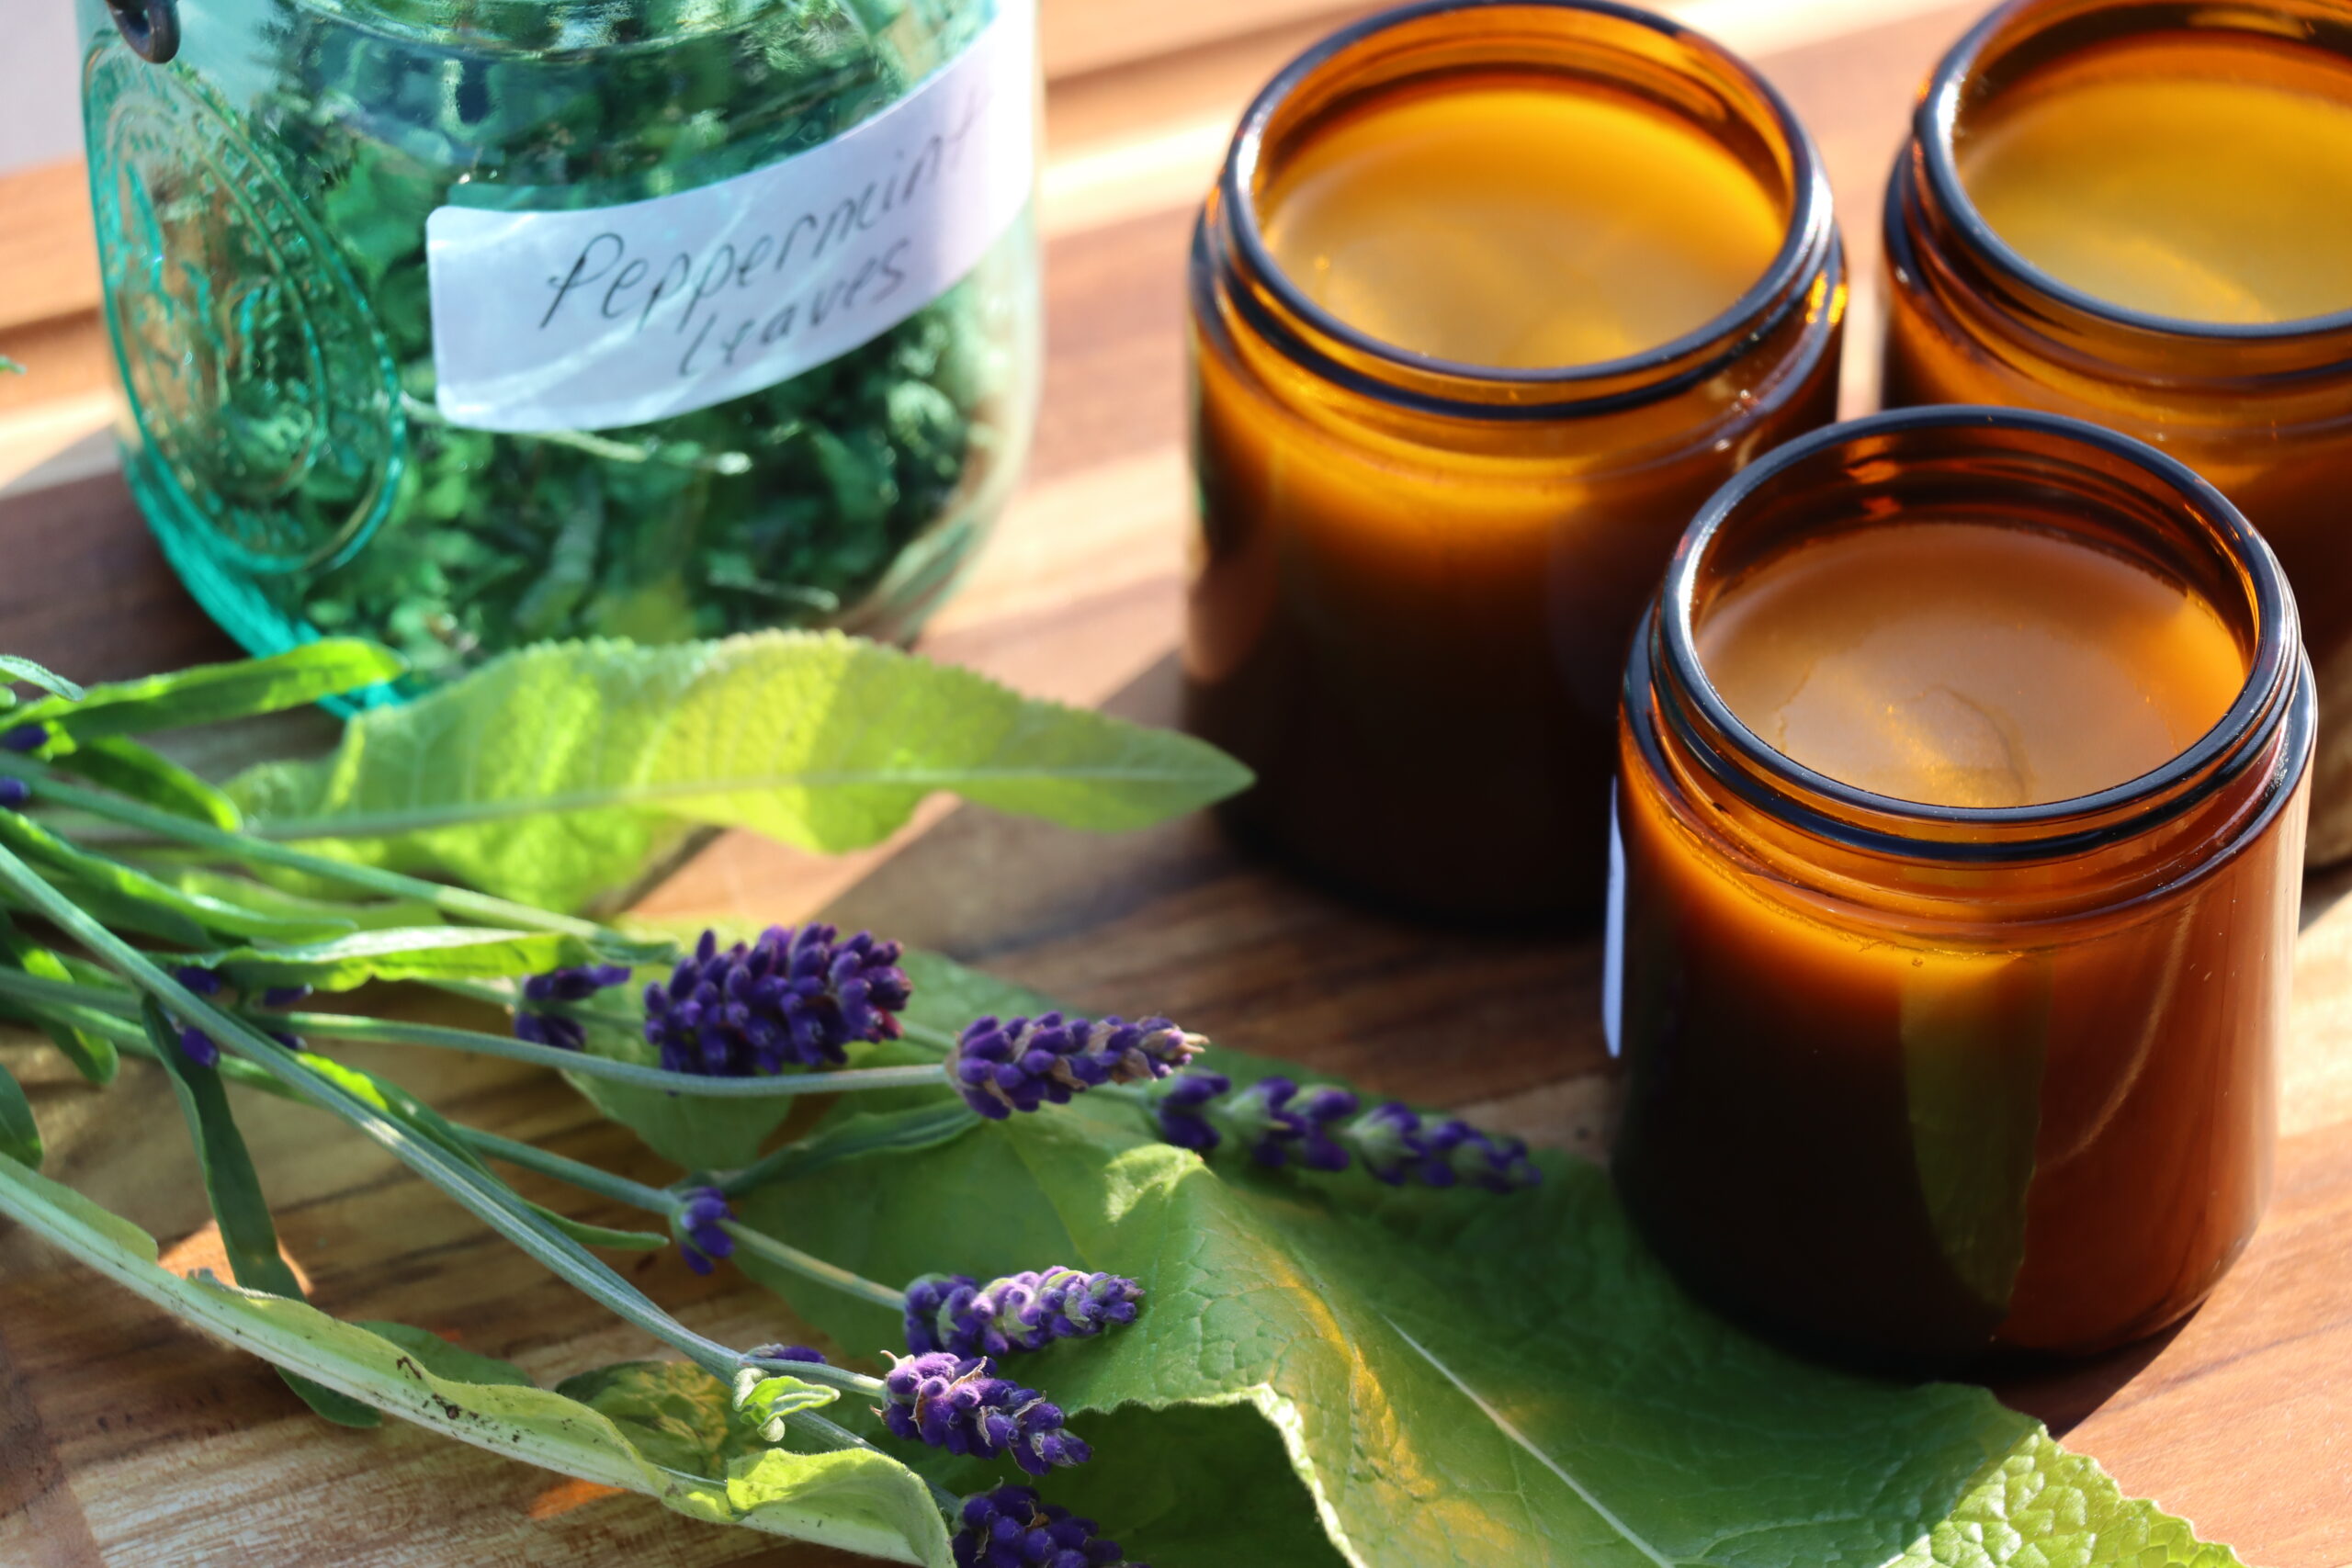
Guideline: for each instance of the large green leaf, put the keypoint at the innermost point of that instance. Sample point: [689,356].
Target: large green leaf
[207,694]
[552,775]
[857,1500]
[1455,1378]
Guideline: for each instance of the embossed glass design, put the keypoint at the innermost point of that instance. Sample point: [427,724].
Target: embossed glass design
[262,205]
[1932,1082]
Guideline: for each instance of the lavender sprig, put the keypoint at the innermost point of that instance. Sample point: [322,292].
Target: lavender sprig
[953,1402]
[792,998]
[956,1314]
[1318,1128]
[201,1048]
[700,1240]
[1020,1063]
[1011,1528]
[548,1026]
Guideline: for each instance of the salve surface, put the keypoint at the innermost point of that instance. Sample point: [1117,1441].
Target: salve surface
[1968,664]
[1517,223]
[2198,176]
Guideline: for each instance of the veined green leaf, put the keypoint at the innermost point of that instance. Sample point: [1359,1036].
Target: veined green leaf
[855,1500]
[414,953]
[14,668]
[553,774]
[200,911]
[93,1056]
[209,694]
[19,1135]
[123,766]
[247,1233]
[1457,1379]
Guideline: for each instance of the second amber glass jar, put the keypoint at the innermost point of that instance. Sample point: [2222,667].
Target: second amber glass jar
[1414,579]
[1926,1082]
[2262,409]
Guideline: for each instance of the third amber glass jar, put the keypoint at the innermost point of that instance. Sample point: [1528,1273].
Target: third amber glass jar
[1929,1082]
[2177,264]
[1415,576]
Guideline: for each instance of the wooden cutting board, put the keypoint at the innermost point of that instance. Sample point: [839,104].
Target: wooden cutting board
[127,1441]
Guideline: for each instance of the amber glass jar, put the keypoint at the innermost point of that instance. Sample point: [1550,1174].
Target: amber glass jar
[2177,266]
[1415,576]
[1928,1082]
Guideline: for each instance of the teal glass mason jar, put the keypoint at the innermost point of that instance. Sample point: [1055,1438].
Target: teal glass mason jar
[463,324]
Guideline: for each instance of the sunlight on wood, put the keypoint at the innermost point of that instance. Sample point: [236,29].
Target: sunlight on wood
[202,1250]
[566,1495]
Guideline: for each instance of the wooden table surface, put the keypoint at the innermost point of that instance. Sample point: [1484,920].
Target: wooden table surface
[126,1439]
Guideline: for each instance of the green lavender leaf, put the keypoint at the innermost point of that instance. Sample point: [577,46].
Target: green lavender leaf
[437,1356]
[426,1122]
[856,1500]
[123,766]
[12,669]
[207,694]
[172,913]
[413,952]
[556,772]
[93,1056]
[1455,1378]
[233,1188]
[19,1134]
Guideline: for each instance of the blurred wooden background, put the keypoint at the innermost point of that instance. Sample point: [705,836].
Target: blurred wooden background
[127,1441]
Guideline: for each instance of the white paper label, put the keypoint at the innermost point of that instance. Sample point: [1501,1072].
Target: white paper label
[610,316]
[1612,940]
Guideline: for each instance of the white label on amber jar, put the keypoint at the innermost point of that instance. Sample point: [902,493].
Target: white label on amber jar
[1613,936]
[612,316]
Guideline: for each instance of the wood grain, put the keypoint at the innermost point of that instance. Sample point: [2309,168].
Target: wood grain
[126,1441]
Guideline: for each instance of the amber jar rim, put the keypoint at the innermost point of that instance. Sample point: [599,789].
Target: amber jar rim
[1805,248]
[2277,678]
[1934,123]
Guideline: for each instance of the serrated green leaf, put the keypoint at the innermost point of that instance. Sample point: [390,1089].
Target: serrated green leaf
[121,765]
[856,1500]
[209,694]
[553,774]
[413,952]
[19,1134]
[248,1235]
[93,1056]
[1455,1378]
[12,669]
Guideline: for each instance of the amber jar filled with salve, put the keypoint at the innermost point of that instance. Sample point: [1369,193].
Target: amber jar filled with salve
[2140,214]
[1962,813]
[1488,299]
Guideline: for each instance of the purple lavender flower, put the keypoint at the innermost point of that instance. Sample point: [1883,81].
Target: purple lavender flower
[552,1027]
[23,737]
[956,1314]
[14,792]
[1020,1063]
[792,998]
[280,997]
[952,1403]
[700,1241]
[788,1353]
[1011,1528]
[200,1047]
[1397,1147]
[1277,1122]
[1179,1110]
